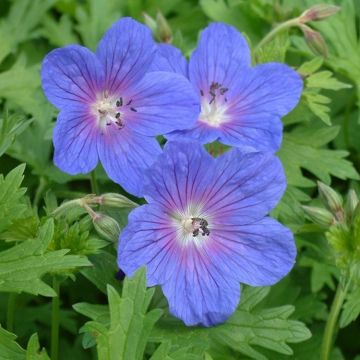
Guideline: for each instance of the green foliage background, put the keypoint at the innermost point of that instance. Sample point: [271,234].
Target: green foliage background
[104,318]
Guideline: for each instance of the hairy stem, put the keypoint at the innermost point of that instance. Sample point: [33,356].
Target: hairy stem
[11,312]
[281,27]
[331,323]
[55,320]
[93,182]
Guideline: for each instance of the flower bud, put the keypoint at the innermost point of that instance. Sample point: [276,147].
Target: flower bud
[319,216]
[106,227]
[315,41]
[318,12]
[150,22]
[163,28]
[352,202]
[116,200]
[330,197]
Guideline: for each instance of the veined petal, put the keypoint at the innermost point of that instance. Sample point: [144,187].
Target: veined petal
[197,290]
[75,141]
[169,58]
[126,155]
[245,186]
[256,132]
[164,102]
[221,50]
[148,239]
[256,102]
[201,132]
[179,175]
[126,52]
[71,75]
[259,254]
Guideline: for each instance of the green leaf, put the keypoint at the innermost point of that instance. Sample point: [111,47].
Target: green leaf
[103,271]
[351,308]
[18,82]
[309,67]
[59,31]
[237,13]
[249,327]
[10,127]
[341,35]
[303,149]
[275,50]
[126,335]
[33,351]
[94,18]
[11,350]
[317,103]
[325,80]
[12,205]
[23,266]
[165,352]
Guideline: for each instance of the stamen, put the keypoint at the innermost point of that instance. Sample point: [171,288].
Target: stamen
[119,102]
[223,91]
[117,115]
[200,224]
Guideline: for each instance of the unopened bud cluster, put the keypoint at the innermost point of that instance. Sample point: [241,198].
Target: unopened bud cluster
[106,226]
[342,223]
[334,211]
[313,38]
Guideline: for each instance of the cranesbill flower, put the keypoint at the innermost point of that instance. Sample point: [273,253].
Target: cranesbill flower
[240,105]
[111,107]
[205,230]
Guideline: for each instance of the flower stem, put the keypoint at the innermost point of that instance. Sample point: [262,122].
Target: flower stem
[55,320]
[11,312]
[93,182]
[285,25]
[327,341]
[39,191]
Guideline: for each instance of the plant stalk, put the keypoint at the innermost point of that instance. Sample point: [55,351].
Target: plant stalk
[11,312]
[39,191]
[281,27]
[55,320]
[331,323]
[93,182]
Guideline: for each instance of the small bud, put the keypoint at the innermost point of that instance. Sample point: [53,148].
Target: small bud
[318,12]
[319,216]
[163,28]
[330,197]
[352,202]
[315,41]
[150,22]
[116,200]
[106,227]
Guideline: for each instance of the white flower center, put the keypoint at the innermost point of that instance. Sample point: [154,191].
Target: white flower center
[110,111]
[192,225]
[213,105]
[213,114]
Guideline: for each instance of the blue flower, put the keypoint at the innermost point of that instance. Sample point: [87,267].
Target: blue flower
[240,105]
[205,229]
[111,106]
